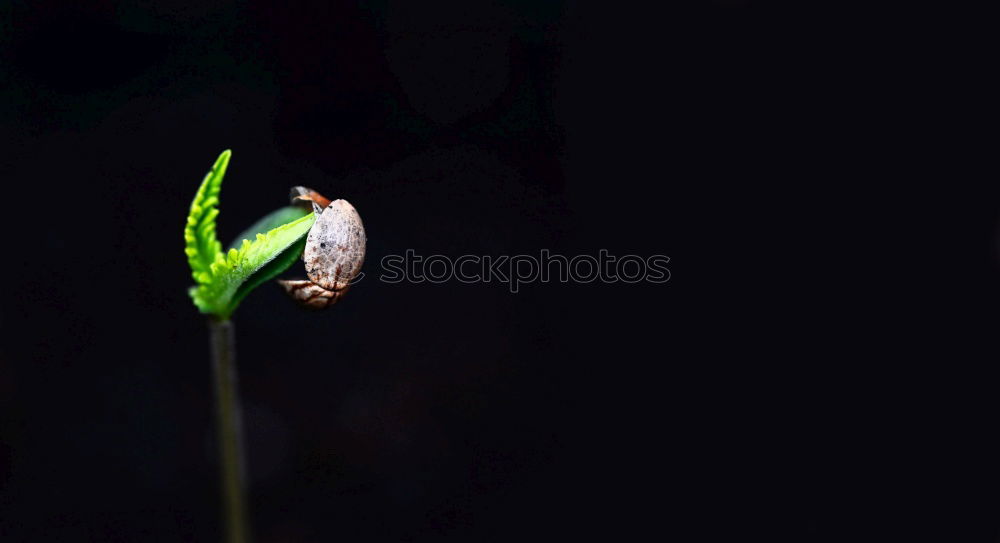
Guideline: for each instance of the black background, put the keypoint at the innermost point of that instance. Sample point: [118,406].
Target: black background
[781,384]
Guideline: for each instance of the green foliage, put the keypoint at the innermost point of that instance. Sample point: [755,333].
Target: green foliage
[282,261]
[224,279]
[269,222]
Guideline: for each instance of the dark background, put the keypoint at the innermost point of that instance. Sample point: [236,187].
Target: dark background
[781,385]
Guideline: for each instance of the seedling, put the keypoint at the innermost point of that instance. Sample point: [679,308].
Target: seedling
[333,238]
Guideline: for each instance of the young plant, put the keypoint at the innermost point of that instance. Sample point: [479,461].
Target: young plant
[335,252]
[265,249]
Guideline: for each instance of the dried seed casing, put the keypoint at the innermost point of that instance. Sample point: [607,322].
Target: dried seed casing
[335,246]
[310,294]
[334,251]
[309,199]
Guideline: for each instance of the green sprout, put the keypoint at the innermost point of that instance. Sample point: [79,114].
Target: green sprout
[259,254]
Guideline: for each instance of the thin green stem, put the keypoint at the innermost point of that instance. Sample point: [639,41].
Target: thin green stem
[229,430]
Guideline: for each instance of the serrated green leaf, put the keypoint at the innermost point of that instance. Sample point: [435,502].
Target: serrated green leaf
[201,245]
[224,279]
[281,262]
[270,270]
[230,273]
[268,222]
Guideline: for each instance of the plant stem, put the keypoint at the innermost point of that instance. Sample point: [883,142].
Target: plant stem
[229,429]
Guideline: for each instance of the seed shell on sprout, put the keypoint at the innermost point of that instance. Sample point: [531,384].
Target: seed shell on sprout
[334,252]
[308,199]
[310,294]
[335,246]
